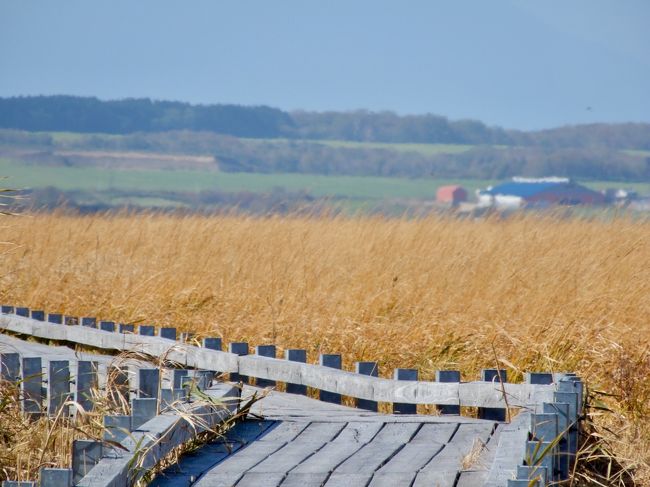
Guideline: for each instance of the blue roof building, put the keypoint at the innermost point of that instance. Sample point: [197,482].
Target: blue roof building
[540,192]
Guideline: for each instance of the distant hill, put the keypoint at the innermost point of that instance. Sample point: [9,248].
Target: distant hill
[128,116]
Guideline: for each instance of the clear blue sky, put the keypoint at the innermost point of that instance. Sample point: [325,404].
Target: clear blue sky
[512,63]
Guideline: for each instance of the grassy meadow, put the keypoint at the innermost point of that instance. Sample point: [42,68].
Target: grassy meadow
[535,293]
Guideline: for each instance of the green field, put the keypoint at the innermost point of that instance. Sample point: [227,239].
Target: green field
[424,149]
[117,187]
[95,179]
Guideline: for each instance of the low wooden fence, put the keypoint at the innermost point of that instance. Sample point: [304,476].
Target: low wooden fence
[551,403]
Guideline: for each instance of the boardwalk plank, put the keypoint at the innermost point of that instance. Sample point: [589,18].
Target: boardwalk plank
[260,479]
[472,478]
[360,467]
[346,444]
[246,458]
[417,453]
[443,468]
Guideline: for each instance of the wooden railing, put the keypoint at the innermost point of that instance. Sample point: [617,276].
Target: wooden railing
[551,402]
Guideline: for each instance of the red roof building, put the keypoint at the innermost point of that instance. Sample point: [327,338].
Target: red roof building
[451,194]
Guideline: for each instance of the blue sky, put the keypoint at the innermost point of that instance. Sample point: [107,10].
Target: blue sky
[517,64]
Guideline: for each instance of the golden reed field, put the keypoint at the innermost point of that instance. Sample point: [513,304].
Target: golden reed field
[534,292]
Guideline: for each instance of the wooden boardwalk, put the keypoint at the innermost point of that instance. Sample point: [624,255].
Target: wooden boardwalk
[305,442]
[290,439]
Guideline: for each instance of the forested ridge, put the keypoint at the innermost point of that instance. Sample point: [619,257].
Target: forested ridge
[91,115]
[269,140]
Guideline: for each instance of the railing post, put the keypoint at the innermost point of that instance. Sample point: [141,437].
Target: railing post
[535,456]
[22,311]
[118,386]
[89,322]
[265,351]
[126,328]
[85,455]
[561,410]
[410,375]
[147,330]
[37,315]
[59,387]
[167,332]
[142,410]
[530,473]
[55,477]
[148,382]
[333,361]
[496,376]
[239,348]
[177,378]
[56,318]
[10,367]
[32,386]
[86,383]
[116,428]
[212,343]
[543,378]
[448,376]
[107,326]
[371,369]
[296,355]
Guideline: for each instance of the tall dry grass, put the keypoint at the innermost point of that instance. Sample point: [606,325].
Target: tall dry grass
[545,293]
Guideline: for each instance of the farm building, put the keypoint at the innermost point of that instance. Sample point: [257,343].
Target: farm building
[539,192]
[451,194]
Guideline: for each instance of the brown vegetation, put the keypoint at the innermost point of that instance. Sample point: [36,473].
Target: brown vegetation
[545,293]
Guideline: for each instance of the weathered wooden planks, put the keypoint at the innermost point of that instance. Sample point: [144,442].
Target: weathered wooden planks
[479,394]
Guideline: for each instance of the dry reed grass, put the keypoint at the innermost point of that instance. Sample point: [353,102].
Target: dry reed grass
[546,293]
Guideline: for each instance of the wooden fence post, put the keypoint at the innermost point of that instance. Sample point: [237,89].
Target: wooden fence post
[265,351]
[239,348]
[296,355]
[22,311]
[147,330]
[32,386]
[56,318]
[410,375]
[126,328]
[142,410]
[59,387]
[118,386]
[371,369]
[116,428]
[85,455]
[86,383]
[37,315]
[10,367]
[212,343]
[107,326]
[177,378]
[448,376]
[538,378]
[334,361]
[496,376]
[167,332]
[89,322]
[148,382]
[55,477]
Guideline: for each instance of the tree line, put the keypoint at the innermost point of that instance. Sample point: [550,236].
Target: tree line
[91,115]
[233,154]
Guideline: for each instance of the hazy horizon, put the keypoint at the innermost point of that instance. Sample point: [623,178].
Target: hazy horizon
[512,64]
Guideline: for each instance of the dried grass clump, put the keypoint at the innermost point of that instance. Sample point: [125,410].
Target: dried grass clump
[547,293]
